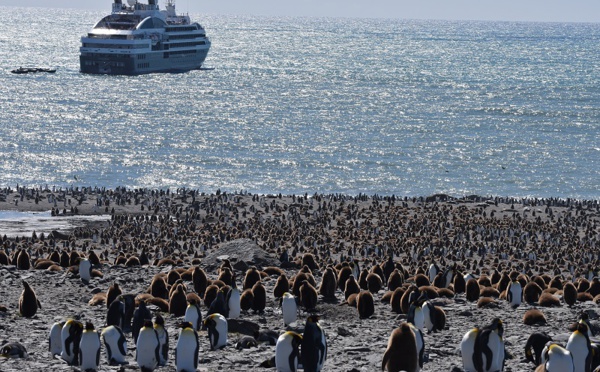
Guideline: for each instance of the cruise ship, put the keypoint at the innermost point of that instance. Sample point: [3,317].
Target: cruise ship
[141,39]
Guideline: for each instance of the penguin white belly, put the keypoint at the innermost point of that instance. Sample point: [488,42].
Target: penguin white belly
[467,347]
[115,344]
[55,341]
[496,345]
[89,351]
[578,347]
[283,350]
[147,349]
[234,304]
[515,294]
[289,309]
[420,343]
[186,351]
[427,317]
[192,316]
[85,270]
[163,339]
[559,359]
[419,318]
[433,271]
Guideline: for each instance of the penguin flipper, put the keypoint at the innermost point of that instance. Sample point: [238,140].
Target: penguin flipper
[196,351]
[386,357]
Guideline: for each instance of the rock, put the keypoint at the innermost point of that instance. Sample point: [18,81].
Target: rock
[243,250]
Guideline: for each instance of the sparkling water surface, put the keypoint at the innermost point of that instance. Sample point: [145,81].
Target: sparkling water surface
[298,105]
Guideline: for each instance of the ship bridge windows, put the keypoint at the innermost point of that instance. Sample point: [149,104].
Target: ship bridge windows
[151,22]
[118,22]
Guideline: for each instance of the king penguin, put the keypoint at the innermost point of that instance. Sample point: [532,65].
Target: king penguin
[115,345]
[70,336]
[287,352]
[28,302]
[54,340]
[556,358]
[89,349]
[193,314]
[140,315]
[216,324]
[514,294]
[233,301]
[314,345]
[187,348]
[147,348]
[580,347]
[483,349]
[85,270]
[401,353]
[289,308]
[163,338]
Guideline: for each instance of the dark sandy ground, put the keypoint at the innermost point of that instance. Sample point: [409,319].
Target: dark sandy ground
[354,344]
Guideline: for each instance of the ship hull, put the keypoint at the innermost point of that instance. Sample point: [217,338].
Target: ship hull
[114,64]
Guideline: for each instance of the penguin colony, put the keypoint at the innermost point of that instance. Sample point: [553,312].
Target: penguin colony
[360,251]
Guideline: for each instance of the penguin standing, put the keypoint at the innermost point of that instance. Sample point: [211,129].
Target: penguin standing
[401,353]
[415,314]
[89,349]
[70,336]
[193,314]
[85,270]
[514,294]
[147,348]
[535,345]
[556,358]
[115,314]
[233,301]
[54,340]
[28,302]
[115,345]
[289,308]
[287,352]
[580,347]
[218,305]
[483,349]
[216,324]
[420,344]
[187,348]
[140,315]
[314,345]
[163,338]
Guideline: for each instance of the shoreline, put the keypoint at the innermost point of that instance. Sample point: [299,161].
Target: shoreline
[482,236]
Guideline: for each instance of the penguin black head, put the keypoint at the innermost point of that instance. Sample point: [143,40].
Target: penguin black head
[159,320]
[497,326]
[89,326]
[148,323]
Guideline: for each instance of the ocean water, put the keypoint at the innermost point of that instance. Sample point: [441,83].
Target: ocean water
[297,105]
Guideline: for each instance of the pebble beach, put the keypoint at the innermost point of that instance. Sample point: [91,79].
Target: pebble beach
[550,242]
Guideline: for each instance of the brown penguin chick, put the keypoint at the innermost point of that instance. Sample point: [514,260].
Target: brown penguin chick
[55,268]
[594,289]
[401,353]
[23,260]
[64,259]
[445,292]
[459,283]
[43,264]
[484,281]
[343,275]
[532,292]
[260,297]
[282,285]
[365,304]
[173,277]
[74,257]
[28,302]
[142,297]
[351,287]
[539,281]
[569,293]
[120,260]
[308,259]
[432,292]
[377,269]
[374,283]
[273,271]
[308,296]
[503,283]
[584,297]
[472,290]
[534,316]
[395,280]
[421,280]
[405,301]
[387,297]
[191,296]
[439,319]
[328,284]
[4,258]
[484,302]
[556,282]
[161,303]
[300,278]
[251,278]
[583,285]
[132,262]
[396,300]
[93,258]
[226,275]
[246,300]
[177,301]
[439,280]
[210,294]
[489,292]
[113,292]
[548,300]
[158,287]
[174,287]
[351,300]
[98,299]
[199,280]
[362,279]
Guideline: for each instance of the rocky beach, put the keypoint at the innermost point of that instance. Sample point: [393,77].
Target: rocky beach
[139,234]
